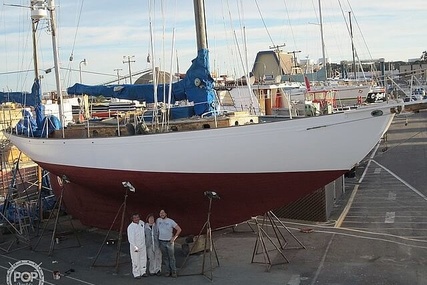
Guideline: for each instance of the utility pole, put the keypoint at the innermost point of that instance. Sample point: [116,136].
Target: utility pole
[117,70]
[295,59]
[277,50]
[129,59]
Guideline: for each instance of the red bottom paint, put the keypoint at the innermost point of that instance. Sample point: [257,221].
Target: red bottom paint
[95,196]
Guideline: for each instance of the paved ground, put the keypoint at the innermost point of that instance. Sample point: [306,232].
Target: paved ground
[377,234]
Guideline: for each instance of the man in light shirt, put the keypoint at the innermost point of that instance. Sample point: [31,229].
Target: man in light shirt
[167,239]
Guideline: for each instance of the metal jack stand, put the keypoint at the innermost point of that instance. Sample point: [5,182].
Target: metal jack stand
[271,220]
[128,186]
[19,223]
[56,212]
[206,227]
[21,235]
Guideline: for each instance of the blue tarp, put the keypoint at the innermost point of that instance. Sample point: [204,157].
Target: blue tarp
[197,87]
[23,98]
[40,125]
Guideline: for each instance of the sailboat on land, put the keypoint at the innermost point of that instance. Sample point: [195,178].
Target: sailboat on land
[254,168]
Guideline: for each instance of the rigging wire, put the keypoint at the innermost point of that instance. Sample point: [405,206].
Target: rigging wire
[358,26]
[230,54]
[236,42]
[289,22]
[349,32]
[168,106]
[71,58]
[153,64]
[243,56]
[161,69]
[263,22]
[23,79]
[2,16]
[347,24]
[231,45]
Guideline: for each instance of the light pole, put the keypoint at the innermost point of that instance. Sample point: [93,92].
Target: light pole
[117,70]
[128,59]
[84,61]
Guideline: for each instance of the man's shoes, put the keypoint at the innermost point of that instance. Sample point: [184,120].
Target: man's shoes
[167,274]
[158,273]
[138,277]
[174,275]
[144,275]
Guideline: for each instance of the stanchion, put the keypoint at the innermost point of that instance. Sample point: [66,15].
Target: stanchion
[208,240]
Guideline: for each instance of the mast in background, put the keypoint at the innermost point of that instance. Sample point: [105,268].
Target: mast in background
[51,8]
[323,41]
[352,46]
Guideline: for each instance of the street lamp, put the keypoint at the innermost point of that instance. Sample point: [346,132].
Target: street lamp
[84,61]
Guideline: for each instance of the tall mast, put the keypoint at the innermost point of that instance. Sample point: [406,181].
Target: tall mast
[56,62]
[200,18]
[352,46]
[35,55]
[38,12]
[323,40]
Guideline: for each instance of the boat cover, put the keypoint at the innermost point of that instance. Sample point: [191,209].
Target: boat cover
[23,98]
[41,125]
[197,87]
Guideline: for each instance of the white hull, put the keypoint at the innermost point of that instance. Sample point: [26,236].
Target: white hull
[254,168]
[332,142]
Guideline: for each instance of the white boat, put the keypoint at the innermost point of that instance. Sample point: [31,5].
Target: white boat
[254,168]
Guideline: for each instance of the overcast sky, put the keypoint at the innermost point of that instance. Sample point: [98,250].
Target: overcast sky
[103,31]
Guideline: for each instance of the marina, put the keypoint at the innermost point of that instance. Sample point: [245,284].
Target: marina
[375,235]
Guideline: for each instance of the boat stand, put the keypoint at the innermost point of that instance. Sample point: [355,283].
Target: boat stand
[54,214]
[270,220]
[209,245]
[22,220]
[122,210]
[22,235]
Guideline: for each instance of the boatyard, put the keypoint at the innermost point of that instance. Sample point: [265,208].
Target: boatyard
[293,173]
[377,234]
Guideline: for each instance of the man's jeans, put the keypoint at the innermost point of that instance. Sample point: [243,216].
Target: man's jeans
[168,256]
